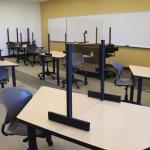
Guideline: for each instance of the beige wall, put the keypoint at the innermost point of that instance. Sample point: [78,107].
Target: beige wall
[61,8]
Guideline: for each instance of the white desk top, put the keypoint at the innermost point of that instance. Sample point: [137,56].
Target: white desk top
[24,45]
[6,63]
[56,54]
[140,71]
[114,126]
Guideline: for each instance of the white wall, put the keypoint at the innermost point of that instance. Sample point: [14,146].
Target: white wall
[21,15]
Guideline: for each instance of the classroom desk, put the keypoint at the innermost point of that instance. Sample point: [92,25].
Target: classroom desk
[56,55]
[12,65]
[140,73]
[114,126]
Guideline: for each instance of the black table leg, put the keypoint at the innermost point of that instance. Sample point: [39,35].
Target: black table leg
[24,56]
[14,76]
[32,138]
[57,63]
[17,55]
[9,52]
[43,67]
[139,92]
[54,65]
[85,79]
[132,90]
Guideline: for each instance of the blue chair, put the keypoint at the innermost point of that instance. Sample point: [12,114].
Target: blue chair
[14,100]
[120,81]
[77,62]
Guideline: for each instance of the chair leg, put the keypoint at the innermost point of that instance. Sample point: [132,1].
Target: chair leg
[63,83]
[76,81]
[49,140]
[25,140]
[126,94]
[2,85]
[85,79]
[77,85]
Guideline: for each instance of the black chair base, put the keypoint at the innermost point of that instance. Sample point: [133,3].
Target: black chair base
[47,73]
[48,140]
[3,83]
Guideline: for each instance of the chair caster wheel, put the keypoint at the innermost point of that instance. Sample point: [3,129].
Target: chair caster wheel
[77,85]
[50,143]
[86,83]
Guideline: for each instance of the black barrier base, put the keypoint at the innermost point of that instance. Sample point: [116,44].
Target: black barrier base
[76,123]
[109,97]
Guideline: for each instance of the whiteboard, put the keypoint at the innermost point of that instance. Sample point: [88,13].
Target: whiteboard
[57,29]
[128,29]
[76,27]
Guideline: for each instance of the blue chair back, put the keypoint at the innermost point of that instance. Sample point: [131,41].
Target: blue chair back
[118,67]
[77,59]
[3,74]
[14,99]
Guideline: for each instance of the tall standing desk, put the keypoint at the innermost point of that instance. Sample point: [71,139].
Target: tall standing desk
[114,126]
[140,73]
[12,65]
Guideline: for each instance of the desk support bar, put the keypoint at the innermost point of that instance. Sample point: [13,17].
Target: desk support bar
[108,97]
[49,42]
[102,66]
[68,120]
[17,35]
[69,79]
[76,123]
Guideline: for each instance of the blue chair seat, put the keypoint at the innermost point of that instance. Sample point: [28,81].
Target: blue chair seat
[124,82]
